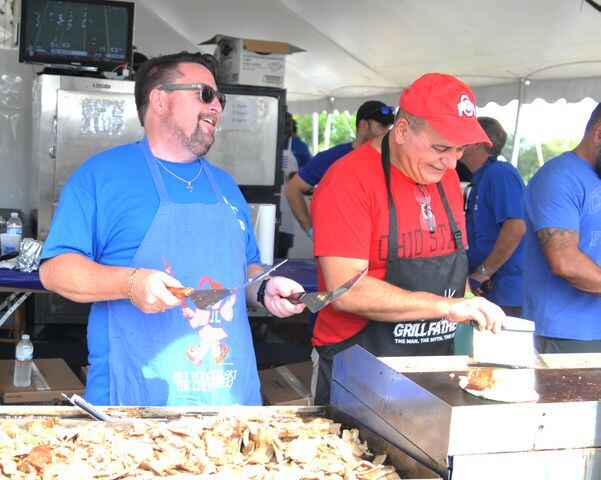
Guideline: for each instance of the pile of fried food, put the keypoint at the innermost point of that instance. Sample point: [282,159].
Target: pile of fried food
[481,378]
[215,447]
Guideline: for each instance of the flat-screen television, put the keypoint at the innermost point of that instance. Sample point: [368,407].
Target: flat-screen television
[86,34]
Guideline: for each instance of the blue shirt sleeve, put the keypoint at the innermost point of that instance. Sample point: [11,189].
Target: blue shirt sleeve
[301,152]
[313,172]
[553,201]
[73,227]
[506,193]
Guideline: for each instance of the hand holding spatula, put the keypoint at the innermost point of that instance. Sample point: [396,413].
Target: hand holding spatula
[204,299]
[317,300]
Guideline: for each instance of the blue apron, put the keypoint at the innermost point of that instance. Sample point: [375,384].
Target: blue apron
[186,356]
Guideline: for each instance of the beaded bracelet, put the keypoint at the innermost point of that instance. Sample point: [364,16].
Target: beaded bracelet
[468,295]
[130,284]
[261,292]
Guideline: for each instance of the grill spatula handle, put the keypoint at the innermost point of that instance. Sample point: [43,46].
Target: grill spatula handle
[296,298]
[180,292]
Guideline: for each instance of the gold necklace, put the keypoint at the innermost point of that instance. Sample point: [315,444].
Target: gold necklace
[187,182]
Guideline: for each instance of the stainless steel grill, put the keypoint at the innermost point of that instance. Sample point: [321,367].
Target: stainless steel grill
[461,436]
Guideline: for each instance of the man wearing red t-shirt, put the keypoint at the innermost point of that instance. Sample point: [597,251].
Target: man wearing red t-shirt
[413,297]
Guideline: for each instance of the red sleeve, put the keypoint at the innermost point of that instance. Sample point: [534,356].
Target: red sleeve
[341,215]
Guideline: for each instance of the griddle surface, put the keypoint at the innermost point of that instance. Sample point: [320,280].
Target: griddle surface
[553,386]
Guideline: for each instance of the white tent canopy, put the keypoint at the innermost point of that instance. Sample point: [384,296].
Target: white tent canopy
[358,49]
[364,49]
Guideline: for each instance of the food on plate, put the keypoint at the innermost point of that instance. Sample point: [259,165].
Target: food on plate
[199,447]
[501,385]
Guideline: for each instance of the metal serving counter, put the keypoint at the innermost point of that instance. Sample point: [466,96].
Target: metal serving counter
[460,436]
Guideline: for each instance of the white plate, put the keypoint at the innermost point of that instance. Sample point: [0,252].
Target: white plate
[507,395]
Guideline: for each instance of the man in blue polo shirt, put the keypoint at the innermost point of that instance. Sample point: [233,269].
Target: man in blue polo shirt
[373,119]
[495,221]
[562,267]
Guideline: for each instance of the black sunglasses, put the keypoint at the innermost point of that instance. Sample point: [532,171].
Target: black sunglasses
[427,219]
[386,110]
[206,93]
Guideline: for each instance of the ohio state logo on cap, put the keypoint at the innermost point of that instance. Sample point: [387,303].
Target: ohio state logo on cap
[465,106]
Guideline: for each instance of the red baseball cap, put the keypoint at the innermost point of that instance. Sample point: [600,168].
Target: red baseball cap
[448,105]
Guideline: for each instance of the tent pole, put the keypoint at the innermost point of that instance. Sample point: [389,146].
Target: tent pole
[315,133]
[539,154]
[516,132]
[326,140]
[328,131]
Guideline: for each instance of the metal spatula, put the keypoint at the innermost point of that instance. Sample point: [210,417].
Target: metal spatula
[204,299]
[90,409]
[315,301]
[512,347]
[513,324]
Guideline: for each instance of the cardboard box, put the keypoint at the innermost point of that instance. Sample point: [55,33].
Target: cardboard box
[55,378]
[245,61]
[83,374]
[287,385]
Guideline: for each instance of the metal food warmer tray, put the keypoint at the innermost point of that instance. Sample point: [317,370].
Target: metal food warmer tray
[416,404]
[406,466]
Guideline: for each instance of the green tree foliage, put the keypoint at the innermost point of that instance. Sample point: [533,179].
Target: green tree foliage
[341,131]
[528,161]
[343,122]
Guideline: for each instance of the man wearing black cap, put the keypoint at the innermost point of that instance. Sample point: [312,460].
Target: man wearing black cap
[373,119]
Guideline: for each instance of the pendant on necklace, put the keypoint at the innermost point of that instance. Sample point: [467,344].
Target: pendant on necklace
[190,187]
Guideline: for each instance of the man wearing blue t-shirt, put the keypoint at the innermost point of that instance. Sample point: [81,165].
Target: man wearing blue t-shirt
[495,221]
[373,119]
[562,262]
[139,218]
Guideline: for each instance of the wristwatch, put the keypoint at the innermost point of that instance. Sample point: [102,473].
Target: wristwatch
[482,270]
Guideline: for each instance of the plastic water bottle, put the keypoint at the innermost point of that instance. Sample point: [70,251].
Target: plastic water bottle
[14,226]
[23,362]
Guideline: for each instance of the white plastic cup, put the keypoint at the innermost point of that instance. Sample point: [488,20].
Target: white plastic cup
[9,243]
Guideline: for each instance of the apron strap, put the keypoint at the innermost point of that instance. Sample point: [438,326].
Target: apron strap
[153,166]
[457,234]
[393,229]
[212,182]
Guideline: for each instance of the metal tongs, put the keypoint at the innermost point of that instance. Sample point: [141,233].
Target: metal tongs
[204,299]
[315,301]
[90,409]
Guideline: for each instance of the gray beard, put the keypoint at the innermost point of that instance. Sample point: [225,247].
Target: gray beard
[197,142]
